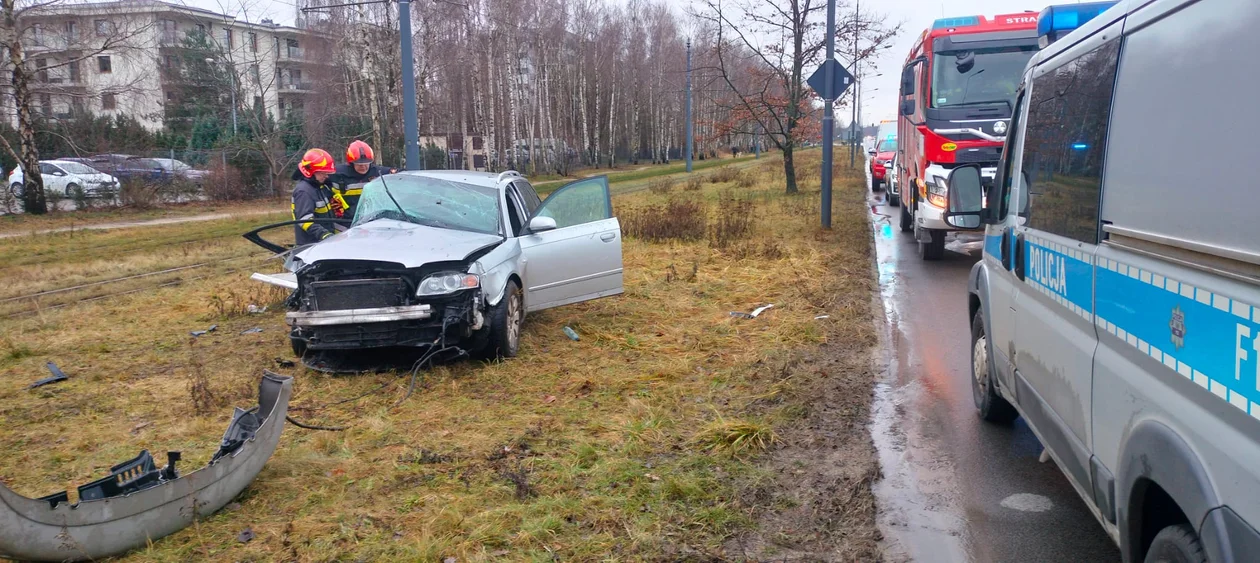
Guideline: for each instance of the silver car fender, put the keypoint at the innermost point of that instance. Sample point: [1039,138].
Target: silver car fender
[496,267]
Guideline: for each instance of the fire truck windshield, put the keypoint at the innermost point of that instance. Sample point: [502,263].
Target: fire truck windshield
[964,78]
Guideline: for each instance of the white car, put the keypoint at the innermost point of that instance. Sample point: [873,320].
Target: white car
[64,177]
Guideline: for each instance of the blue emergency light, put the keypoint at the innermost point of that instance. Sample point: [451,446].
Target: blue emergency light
[1057,21]
[956,22]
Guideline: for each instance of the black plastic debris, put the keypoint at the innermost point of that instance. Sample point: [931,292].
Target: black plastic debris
[244,424]
[57,375]
[204,332]
[254,330]
[284,363]
[136,474]
[245,536]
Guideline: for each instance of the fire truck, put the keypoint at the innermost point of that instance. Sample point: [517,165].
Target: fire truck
[957,91]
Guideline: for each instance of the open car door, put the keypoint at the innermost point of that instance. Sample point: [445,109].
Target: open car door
[572,247]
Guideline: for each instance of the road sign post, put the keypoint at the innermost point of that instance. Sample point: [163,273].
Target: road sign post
[829,82]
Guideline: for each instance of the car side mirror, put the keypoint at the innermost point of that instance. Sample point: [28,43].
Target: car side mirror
[872,152]
[966,197]
[540,224]
[907,106]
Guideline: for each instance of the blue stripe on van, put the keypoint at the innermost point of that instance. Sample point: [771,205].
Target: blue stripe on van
[1065,273]
[1207,338]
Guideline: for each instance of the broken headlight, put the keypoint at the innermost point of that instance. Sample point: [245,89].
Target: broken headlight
[447,283]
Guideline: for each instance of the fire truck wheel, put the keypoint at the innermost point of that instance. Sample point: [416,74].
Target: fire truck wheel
[907,222]
[933,250]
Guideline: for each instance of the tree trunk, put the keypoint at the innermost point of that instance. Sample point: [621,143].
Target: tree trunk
[33,193]
[789,167]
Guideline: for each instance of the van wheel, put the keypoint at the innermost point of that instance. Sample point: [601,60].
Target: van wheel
[907,222]
[1176,544]
[989,404]
[933,250]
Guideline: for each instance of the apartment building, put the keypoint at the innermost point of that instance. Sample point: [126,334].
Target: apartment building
[122,57]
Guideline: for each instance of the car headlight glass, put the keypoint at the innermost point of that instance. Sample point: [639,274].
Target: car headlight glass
[446,283]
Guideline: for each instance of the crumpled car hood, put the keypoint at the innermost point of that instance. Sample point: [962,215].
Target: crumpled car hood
[409,244]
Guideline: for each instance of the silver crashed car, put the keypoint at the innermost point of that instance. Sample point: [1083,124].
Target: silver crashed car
[451,258]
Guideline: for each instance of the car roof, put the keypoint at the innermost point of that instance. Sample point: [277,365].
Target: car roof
[476,178]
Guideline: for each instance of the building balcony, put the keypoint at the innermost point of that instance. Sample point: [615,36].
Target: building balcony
[51,44]
[297,88]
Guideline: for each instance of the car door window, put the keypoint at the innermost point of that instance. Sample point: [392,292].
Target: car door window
[578,203]
[48,169]
[1063,149]
[529,197]
[516,215]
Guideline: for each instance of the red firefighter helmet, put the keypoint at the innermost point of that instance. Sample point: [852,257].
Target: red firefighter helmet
[360,152]
[316,160]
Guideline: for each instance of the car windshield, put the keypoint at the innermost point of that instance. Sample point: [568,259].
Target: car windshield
[430,201]
[978,77]
[887,145]
[76,168]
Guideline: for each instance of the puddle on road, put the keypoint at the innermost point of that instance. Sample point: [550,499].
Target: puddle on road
[917,495]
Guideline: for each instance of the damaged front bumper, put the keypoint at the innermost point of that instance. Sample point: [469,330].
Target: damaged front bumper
[356,316]
[139,502]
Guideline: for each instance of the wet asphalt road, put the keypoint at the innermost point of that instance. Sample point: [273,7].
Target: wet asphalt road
[957,488]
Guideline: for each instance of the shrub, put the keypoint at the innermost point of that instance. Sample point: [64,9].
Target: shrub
[734,220]
[694,185]
[140,195]
[225,183]
[679,219]
[724,174]
[745,181]
[661,186]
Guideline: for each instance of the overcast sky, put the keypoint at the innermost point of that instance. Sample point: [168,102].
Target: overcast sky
[879,95]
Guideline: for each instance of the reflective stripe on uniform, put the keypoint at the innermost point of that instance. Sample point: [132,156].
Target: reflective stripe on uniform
[306,226]
[354,191]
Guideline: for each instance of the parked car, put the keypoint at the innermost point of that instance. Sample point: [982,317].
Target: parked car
[881,161]
[1116,310]
[180,170]
[450,259]
[894,191]
[65,177]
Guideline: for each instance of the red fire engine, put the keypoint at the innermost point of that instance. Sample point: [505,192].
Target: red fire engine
[957,91]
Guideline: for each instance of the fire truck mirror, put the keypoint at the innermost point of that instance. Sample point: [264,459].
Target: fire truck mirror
[907,81]
[964,61]
[907,106]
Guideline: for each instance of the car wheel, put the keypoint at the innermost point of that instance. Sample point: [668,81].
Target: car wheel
[299,346]
[935,249]
[70,189]
[907,222]
[16,189]
[894,200]
[506,319]
[989,404]
[1176,544]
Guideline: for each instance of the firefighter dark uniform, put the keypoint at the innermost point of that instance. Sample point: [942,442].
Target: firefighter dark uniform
[359,169]
[311,197]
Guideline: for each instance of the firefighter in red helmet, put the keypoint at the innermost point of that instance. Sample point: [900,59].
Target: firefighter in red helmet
[360,168]
[312,199]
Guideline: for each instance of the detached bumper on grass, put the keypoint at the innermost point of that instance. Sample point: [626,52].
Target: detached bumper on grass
[140,502]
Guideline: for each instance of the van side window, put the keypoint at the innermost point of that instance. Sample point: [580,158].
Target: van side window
[1066,136]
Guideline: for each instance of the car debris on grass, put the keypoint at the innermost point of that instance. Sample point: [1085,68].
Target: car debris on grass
[57,375]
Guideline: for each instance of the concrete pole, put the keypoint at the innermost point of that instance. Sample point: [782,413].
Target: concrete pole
[688,104]
[411,131]
[232,76]
[829,118]
[857,74]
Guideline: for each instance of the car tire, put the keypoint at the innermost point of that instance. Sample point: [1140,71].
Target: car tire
[299,346]
[935,249]
[894,200]
[907,221]
[989,404]
[70,188]
[1176,544]
[16,189]
[506,320]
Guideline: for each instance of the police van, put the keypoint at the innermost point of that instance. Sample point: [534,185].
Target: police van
[1117,304]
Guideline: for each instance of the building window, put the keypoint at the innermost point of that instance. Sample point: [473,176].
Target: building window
[72,31]
[42,65]
[201,29]
[170,95]
[255,74]
[37,33]
[171,61]
[291,46]
[104,64]
[74,72]
[258,102]
[104,28]
[108,101]
[1063,147]
[170,31]
[45,104]
[227,38]
[253,42]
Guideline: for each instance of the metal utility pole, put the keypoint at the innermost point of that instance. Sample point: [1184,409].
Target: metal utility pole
[688,104]
[829,118]
[232,76]
[857,99]
[411,131]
